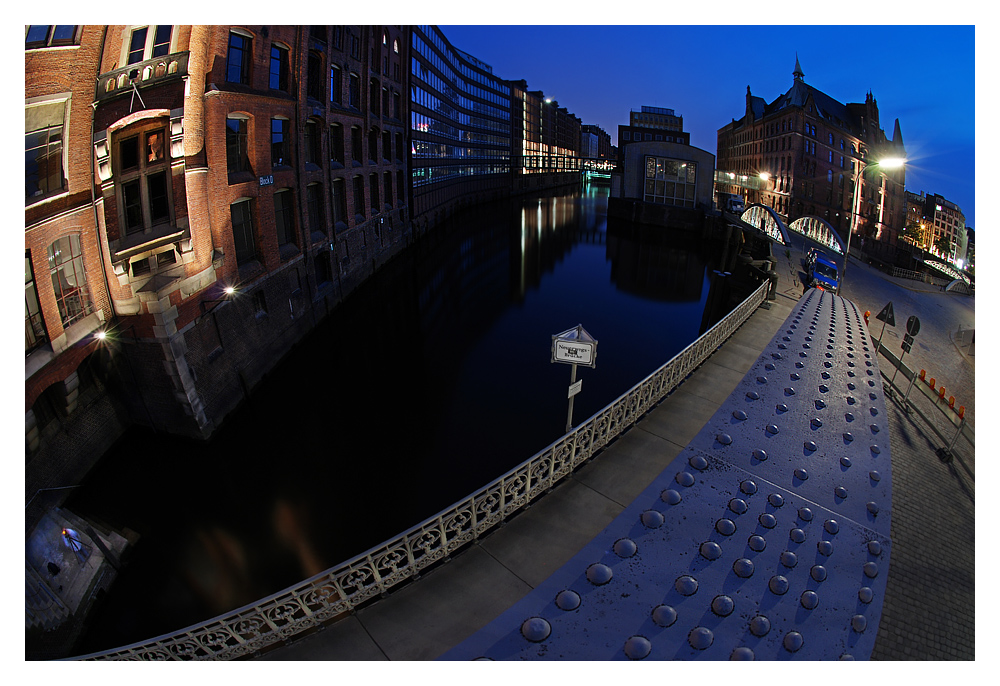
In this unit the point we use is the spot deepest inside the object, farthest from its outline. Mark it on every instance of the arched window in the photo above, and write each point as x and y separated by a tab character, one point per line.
69	281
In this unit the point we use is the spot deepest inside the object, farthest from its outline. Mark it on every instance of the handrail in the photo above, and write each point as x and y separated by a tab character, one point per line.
373	573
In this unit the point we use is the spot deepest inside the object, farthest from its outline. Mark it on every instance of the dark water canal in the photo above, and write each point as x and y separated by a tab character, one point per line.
429	381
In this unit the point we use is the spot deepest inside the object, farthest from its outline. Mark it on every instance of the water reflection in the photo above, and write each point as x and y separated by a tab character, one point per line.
431	380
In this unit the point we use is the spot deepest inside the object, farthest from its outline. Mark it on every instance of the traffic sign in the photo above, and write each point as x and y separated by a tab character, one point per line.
886	315
912	325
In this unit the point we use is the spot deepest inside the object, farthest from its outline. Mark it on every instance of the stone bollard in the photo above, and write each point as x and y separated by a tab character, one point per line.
772	293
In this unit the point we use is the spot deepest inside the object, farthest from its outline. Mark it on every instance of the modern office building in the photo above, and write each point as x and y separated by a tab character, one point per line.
801	154
460	128
545	138
596	136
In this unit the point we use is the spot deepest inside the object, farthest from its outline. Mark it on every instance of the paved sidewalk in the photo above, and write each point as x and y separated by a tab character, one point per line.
929	608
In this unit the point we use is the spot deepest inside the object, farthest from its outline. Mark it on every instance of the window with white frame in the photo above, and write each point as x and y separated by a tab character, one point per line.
69	280
43	149
147	42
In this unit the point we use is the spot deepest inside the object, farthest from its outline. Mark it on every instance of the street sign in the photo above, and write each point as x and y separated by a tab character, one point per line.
575	346
907	343
886	315
575	388
573	352
912	325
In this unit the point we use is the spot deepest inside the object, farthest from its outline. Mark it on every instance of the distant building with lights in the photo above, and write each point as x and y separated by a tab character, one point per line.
937	225
652	124
546	140
461	129
598	142
801	155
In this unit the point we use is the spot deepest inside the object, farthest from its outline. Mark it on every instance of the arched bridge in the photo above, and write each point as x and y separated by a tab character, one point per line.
820	231
769	222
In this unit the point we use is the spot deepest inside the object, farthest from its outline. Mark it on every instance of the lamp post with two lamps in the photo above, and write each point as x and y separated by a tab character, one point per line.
882	165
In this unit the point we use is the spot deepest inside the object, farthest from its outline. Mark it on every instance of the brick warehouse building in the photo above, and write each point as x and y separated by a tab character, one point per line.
166	163
811	149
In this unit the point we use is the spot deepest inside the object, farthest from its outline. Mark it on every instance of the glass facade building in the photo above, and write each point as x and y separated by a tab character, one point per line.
460	124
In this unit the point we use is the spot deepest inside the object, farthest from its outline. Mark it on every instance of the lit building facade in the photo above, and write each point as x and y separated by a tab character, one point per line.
940	225
266	159
460	128
546	136
802	154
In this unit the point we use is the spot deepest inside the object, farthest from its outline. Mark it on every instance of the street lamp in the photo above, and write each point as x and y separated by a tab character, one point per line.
886	163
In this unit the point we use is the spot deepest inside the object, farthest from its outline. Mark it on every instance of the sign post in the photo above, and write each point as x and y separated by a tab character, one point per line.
574	347
887	317
912	327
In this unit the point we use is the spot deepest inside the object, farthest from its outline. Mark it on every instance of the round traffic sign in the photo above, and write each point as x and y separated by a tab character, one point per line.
912	325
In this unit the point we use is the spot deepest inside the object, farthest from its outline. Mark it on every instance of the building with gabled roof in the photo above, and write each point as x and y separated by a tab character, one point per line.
801	155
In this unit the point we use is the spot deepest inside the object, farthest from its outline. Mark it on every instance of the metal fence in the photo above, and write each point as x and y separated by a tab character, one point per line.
372	574
915	394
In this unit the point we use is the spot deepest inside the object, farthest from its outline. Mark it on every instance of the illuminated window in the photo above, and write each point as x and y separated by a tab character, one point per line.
670	181
142	182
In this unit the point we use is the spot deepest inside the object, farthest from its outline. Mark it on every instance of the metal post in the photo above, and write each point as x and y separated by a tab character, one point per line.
906	406
569	414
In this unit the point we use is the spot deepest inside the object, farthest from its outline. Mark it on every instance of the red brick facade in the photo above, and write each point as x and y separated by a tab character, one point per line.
148	190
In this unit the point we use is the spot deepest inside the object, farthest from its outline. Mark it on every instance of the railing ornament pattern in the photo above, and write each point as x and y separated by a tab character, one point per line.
374	573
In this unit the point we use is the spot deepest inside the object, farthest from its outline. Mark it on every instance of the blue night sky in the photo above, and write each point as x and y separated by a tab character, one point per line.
702	73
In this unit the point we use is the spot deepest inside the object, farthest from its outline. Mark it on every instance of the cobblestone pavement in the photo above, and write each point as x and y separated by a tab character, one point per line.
929	610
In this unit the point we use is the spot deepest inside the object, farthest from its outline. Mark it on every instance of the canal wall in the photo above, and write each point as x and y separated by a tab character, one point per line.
186	381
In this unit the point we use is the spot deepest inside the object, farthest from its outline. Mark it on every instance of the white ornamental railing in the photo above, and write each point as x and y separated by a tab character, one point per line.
372	574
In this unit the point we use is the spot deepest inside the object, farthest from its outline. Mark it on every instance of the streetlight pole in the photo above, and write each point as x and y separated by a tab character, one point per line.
885	163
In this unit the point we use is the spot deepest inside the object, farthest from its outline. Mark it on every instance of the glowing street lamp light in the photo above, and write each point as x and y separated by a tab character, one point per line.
884	164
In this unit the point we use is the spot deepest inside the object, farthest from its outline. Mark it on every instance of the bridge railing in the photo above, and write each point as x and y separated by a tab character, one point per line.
373	573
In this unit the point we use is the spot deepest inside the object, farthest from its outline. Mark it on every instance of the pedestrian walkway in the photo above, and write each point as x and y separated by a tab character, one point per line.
928	612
